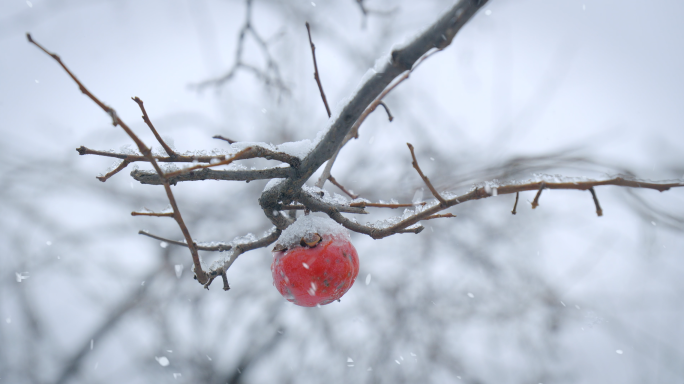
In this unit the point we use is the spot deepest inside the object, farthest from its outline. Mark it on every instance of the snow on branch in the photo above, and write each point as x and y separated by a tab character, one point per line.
286	193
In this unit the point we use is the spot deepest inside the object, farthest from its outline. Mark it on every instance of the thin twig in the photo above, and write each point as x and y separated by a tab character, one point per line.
116	170
341	187
363	204
147	177
416	230
599	211
365	11
341	208
227	161
224	139
239	249
156	214
316	76
535	202
354	131
425	178
517	195
256	151
147	153
476	194
439	216
270	75
147	121
216	248
389	114
225	281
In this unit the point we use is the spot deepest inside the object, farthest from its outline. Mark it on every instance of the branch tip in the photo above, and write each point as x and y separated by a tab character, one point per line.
599	211
316	76
341	187
535	202
517	195
224	139
225	281
389	114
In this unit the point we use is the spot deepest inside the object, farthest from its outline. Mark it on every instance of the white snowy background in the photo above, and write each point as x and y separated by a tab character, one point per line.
555	295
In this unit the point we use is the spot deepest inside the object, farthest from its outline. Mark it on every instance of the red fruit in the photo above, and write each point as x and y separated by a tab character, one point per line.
318	270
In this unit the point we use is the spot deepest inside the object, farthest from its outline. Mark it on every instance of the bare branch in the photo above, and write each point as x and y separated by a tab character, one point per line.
224	139
341	208
239	249
439	216
270	76
340	186
152	178
363	204
156	214
255	151
535	202
354	131
216	248
425	178
517	195
316	76
147	121
366	11
116	170
476	194
415	230
402	61
147	153
389	114
226	287
599	211
227	161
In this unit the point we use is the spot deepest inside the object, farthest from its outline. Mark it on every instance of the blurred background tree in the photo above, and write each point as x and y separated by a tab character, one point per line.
550	295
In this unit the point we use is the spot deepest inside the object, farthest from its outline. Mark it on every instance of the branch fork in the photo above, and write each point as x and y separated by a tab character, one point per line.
289	194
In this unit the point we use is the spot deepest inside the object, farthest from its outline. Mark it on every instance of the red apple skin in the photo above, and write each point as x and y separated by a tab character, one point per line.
318	275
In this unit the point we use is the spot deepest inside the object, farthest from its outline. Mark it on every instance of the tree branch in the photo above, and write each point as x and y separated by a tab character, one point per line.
341	208
255	151
341	187
515	205
116	170
425	178
147	121
270	76
216	248
147	153
238	249
431	211
438	35
535	202
354	131
152	178
316	76
363	204
599	211
155	214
